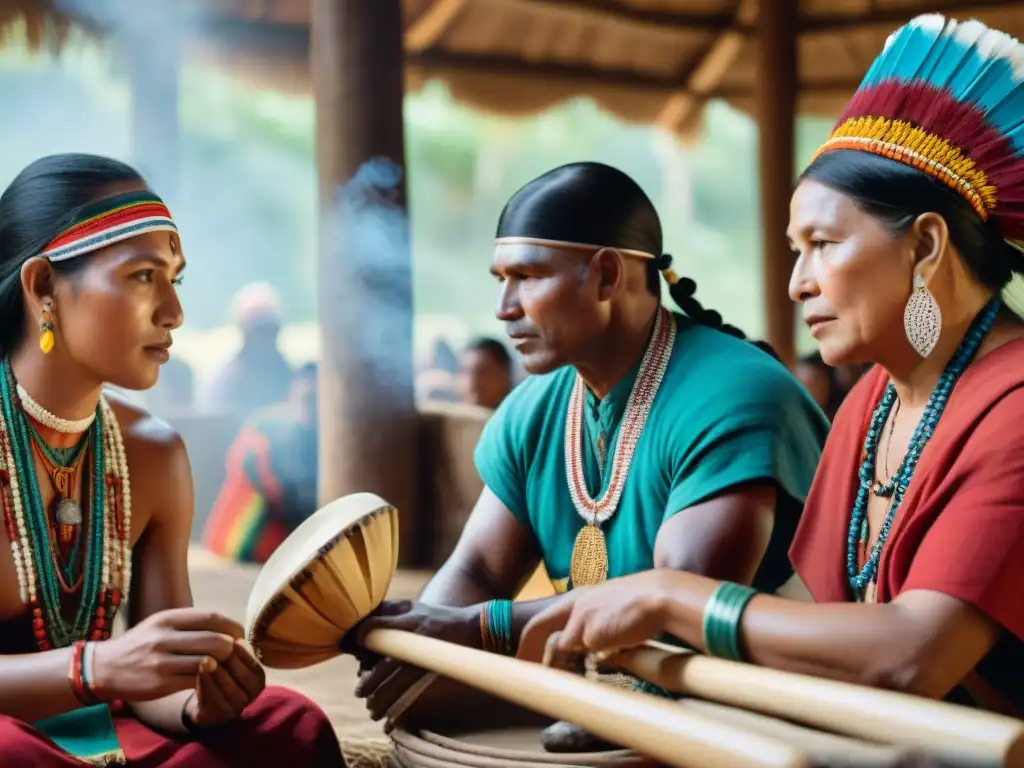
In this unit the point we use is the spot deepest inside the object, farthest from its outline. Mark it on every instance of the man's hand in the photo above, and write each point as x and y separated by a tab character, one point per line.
619	613
383	680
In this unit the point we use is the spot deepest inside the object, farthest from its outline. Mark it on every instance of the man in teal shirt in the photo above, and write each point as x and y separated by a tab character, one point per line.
642	439
728	420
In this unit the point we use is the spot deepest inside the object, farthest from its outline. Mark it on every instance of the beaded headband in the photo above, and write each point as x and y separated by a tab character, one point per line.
515	243
110	221
946	97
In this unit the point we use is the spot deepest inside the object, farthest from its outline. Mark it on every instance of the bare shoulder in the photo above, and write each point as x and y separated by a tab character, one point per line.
141	428
155	450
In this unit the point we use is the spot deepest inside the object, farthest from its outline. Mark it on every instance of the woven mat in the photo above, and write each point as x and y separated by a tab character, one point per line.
367	753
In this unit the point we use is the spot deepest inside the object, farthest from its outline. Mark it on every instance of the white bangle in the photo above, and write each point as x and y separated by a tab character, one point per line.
89	667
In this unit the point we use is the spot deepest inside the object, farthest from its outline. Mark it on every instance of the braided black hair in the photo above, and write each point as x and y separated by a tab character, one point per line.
598	204
682	292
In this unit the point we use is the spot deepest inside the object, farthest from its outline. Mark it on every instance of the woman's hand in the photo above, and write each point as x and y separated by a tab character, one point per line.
162	655
223	690
619	613
383	680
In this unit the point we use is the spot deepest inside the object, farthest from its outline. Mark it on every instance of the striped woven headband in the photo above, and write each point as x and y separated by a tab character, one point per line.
110	221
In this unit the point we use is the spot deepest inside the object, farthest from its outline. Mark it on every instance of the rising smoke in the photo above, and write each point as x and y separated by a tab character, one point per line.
366	293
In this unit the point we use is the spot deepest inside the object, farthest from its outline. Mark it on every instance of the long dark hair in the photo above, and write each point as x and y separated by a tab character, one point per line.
897	194
597	204
37	206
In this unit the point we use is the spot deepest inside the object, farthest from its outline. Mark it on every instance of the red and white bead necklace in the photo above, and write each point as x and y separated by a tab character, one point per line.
115	574
589	558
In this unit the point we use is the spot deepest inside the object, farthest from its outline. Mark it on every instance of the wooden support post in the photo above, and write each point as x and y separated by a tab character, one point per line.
777	92
368	421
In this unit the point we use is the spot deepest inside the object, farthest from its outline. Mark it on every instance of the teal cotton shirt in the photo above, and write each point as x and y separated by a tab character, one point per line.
726	413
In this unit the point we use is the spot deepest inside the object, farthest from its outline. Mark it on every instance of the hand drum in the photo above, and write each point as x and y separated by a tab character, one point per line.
328	575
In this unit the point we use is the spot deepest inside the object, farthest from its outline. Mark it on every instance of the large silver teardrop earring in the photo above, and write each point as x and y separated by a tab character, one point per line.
922	319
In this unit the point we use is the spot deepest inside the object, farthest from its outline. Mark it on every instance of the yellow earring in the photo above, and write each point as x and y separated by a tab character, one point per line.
46	326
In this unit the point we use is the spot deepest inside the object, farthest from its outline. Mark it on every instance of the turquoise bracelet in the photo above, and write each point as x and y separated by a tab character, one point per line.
642	686
722	615
498	615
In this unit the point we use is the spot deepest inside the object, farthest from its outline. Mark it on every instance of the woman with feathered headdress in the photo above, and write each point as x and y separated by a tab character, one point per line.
906	228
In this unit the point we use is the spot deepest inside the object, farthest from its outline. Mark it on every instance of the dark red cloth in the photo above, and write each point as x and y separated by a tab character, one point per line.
960	529
280	728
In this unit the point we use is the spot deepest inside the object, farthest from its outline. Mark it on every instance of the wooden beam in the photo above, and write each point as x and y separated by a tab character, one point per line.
276	41
611	10
836	85
368	422
837	22
513	66
426	30
292	43
275	9
705	74
777	95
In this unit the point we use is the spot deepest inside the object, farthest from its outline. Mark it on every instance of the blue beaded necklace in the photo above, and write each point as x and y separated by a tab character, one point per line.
897	487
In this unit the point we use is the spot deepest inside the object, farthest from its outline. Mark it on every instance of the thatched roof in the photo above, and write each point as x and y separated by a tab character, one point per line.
652	61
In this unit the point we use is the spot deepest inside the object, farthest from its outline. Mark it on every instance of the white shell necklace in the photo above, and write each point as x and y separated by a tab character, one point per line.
638	408
49	420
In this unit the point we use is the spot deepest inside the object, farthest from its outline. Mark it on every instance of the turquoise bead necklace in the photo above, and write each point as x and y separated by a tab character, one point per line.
67	556
59	457
897	487
60	631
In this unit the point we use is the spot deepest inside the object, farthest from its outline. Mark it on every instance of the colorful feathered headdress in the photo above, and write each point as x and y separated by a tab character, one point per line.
947	98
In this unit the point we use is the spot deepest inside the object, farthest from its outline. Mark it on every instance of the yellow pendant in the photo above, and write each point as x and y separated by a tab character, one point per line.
589	564
46	341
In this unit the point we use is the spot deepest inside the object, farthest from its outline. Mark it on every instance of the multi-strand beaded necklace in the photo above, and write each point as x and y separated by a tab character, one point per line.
36	534
589	561
861	578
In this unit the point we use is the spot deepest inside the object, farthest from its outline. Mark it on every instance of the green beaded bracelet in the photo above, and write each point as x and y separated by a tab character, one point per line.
721	624
499	625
